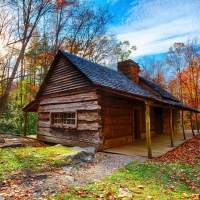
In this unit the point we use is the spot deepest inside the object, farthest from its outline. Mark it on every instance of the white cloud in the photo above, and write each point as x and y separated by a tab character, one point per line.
153	26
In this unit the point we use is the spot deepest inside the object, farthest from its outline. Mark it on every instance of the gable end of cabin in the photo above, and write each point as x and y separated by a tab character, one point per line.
69	110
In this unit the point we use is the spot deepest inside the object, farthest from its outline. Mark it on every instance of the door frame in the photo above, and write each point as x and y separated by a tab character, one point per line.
136	111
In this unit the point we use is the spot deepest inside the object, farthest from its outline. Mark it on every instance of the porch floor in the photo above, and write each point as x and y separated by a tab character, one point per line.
161	144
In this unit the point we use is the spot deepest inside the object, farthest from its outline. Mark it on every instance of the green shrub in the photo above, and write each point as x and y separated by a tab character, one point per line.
12	122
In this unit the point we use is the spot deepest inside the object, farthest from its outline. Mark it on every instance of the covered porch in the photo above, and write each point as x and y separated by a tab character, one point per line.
160	144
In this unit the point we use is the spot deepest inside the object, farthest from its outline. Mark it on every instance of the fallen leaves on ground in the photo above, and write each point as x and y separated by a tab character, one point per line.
188	153
27	186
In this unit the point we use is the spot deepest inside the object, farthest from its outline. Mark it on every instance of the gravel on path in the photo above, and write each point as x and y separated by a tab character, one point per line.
49	183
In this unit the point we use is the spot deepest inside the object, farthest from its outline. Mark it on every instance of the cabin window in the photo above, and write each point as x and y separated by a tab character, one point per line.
69	118
64	119
57	118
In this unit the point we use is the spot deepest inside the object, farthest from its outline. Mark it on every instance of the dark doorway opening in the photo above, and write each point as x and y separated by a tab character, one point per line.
137	124
158	120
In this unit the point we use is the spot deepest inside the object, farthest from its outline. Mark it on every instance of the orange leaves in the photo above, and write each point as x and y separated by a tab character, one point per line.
183	162
184	62
186	84
62	3
83	193
186	153
65	3
34	87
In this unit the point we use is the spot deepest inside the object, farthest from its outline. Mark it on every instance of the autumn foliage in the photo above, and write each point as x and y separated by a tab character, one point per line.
189	86
188	153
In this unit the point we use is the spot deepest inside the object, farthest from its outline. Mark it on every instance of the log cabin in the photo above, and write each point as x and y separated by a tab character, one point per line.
81	103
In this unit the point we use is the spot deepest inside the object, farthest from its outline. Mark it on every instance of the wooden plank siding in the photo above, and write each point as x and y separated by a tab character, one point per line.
65	77
144	85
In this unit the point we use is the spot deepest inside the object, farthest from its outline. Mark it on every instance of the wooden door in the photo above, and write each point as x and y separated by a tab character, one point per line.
136	123
158	120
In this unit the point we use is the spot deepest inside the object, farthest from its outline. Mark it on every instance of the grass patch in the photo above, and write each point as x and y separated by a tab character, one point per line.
30	159
146	180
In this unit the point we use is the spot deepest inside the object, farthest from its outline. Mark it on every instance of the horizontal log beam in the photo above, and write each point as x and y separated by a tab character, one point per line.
117	141
68	107
86	96
87	136
63	141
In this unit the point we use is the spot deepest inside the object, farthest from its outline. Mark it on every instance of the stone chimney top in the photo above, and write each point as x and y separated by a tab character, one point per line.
129	68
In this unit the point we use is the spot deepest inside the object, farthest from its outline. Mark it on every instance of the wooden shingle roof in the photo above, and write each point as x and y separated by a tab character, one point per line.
158	89
107	77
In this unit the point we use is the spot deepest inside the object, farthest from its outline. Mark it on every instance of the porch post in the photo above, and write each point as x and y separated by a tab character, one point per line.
191	123
148	135
196	115
183	126
25	122
171	127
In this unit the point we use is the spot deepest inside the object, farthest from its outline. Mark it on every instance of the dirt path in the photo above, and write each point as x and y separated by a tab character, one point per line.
61	179
10	140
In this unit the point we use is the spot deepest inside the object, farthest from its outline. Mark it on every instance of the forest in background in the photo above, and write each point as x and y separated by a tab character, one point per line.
31	32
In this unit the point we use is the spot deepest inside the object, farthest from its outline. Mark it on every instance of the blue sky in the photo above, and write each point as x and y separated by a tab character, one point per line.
154	25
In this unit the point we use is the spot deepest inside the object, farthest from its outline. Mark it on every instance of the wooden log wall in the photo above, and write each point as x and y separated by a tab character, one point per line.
117	119
143	122
152	121
166	122
88	129
176	119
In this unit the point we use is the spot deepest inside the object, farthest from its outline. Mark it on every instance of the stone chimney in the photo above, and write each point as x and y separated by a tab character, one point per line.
129	68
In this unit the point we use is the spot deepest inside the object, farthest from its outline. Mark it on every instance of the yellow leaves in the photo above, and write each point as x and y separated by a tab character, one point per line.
141	187
34	87
186	84
124	192
184	195
150	198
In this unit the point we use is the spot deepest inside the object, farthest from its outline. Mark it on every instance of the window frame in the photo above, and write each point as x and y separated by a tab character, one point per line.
62	124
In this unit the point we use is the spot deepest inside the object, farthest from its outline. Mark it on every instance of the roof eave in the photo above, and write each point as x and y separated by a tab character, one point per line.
31	107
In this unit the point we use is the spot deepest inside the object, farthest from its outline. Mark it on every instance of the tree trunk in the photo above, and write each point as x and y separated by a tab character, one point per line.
4	98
